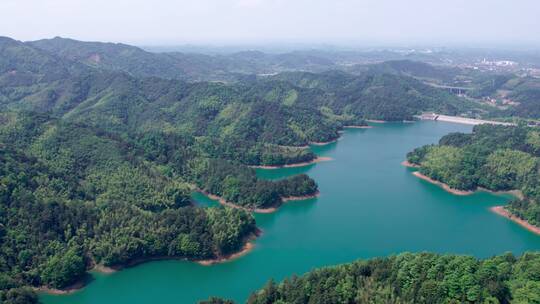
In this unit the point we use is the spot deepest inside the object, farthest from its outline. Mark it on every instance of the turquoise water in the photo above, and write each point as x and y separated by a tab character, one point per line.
369	206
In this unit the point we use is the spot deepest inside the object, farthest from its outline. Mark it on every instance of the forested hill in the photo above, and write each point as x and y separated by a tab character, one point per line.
378	95
99	153
73	195
241	66
492	157
412	278
176	65
416	69
129	59
298	108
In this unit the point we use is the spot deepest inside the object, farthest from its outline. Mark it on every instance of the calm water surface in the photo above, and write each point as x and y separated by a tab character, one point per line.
369	206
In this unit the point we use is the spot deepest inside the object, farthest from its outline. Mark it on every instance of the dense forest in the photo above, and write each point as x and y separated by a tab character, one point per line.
497	158
412	278
94	171
101	145
375	95
74	197
70	190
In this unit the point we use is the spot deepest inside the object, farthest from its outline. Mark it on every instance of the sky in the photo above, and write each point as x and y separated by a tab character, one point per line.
233	22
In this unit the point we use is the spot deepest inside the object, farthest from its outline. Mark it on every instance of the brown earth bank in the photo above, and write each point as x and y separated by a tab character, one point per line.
315	160
246	248
299	198
223	202
442	185
500	210
358	127
516	193
70	289
103	269
303	164
323	143
376	120
408	164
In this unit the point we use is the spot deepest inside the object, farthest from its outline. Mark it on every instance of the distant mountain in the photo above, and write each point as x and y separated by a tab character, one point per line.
175	65
104	84
115	56
378	95
25	65
415	69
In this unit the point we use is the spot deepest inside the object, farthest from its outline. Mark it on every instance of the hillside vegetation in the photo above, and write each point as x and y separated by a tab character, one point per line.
497	158
102	144
410	278
413	278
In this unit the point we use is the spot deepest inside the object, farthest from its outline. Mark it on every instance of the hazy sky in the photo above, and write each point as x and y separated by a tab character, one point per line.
396	22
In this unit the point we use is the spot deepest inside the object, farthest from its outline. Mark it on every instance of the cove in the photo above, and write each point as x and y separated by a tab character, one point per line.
369	205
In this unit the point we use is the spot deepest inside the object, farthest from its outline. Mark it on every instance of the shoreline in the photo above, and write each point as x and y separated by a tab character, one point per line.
323	143
245	249
500	210
376	121
407	164
314	143
300	198
79	285
103	269
223	202
442	185
68	290
302	164
358	127
516	193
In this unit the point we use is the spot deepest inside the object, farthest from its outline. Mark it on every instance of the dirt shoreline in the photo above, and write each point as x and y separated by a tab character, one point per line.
316	160
500	210
323	143
442	185
68	290
516	193
358	127
376	121
303	164
406	163
300	198
246	248
103	269
223	202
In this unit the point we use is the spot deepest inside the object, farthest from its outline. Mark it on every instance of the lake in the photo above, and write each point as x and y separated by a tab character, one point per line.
370	205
